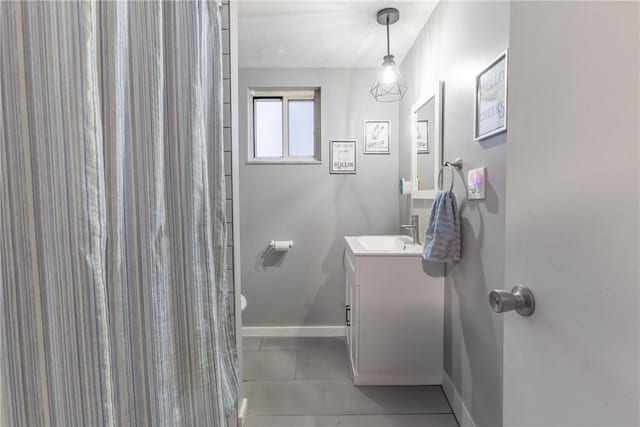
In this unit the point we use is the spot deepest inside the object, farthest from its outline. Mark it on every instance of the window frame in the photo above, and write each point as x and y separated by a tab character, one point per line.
285	95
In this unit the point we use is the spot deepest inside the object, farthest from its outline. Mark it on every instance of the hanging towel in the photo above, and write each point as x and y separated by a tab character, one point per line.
442	237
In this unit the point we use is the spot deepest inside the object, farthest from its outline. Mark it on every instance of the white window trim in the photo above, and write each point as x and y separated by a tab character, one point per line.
310	94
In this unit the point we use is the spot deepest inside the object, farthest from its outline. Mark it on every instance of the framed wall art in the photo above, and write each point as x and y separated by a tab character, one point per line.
490	116
342	156
376	137
422	136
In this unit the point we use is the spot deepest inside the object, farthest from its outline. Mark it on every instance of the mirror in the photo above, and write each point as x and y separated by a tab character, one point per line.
426	144
425	119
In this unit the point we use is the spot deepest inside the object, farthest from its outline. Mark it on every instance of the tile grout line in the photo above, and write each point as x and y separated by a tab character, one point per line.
358	414
301	380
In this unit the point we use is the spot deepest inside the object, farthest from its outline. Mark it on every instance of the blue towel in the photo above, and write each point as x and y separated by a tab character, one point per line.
442	237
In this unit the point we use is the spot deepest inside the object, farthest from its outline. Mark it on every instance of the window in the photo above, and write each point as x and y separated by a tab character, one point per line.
284	126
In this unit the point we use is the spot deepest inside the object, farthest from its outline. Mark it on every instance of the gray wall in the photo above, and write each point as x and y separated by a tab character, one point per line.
305	204
460	39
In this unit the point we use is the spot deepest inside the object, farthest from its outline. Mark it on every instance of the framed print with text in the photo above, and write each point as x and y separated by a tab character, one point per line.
422	136
342	156
491	99
376	137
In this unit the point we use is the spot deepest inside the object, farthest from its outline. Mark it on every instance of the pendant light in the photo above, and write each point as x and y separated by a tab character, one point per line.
389	85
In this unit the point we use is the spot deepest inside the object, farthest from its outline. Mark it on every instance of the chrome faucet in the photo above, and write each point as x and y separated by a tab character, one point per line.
414	229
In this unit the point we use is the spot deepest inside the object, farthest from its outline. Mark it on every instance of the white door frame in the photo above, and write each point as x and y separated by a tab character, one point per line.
235	172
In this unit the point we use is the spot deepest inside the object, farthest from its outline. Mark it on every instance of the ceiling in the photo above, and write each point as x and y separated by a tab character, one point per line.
324	34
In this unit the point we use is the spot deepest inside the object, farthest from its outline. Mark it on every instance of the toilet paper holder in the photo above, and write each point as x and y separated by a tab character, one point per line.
280	245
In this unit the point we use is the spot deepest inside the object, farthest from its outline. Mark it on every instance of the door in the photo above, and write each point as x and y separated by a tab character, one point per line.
351	312
349	274
354	328
572	215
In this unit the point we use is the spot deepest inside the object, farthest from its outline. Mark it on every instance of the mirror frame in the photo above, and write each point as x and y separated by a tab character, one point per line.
437	148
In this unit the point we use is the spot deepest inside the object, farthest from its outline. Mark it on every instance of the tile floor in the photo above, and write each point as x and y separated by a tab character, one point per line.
304	382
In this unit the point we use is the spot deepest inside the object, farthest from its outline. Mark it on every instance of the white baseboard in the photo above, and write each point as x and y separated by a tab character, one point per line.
293	331
397	379
242	412
459	409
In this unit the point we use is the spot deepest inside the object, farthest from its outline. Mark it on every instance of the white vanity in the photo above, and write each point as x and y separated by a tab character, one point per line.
394	300
394	312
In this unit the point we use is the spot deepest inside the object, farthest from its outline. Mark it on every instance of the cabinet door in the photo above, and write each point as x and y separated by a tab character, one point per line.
353	329
350	309
347	323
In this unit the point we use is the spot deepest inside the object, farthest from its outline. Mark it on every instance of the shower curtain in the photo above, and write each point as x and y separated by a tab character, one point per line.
114	305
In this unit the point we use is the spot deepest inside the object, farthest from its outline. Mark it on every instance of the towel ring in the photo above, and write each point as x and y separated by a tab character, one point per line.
456	164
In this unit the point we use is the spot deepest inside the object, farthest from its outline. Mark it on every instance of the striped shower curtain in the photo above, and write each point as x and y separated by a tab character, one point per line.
114	305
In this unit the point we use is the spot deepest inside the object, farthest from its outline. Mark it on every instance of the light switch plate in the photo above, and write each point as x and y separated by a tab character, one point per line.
476	183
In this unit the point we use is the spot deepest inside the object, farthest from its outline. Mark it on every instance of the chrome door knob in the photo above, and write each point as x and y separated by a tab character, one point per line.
519	299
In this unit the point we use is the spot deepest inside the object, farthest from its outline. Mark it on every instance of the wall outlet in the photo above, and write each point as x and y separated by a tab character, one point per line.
476	183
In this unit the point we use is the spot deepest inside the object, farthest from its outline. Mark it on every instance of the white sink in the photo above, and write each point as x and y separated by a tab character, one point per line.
383	245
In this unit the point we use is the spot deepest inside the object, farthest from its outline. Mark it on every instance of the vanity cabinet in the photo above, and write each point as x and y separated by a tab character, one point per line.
394	317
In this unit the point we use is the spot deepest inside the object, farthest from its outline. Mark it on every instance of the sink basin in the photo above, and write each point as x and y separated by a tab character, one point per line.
383	245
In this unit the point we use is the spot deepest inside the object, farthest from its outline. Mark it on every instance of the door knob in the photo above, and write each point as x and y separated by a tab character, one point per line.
519	299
